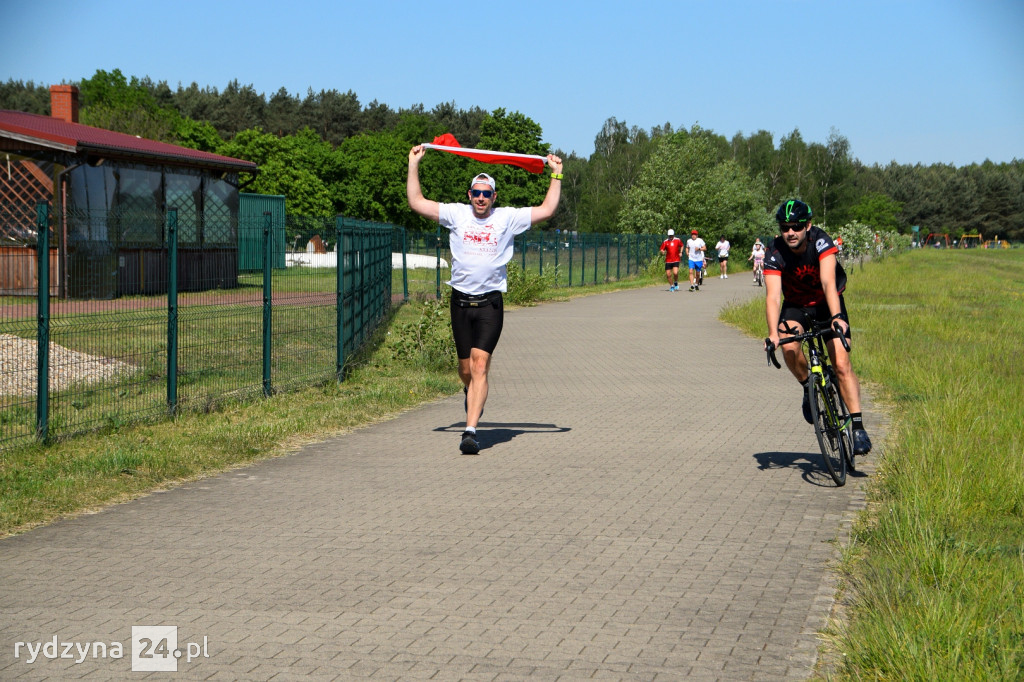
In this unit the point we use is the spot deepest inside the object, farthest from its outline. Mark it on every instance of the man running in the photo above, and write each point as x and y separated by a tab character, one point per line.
672	248
804	283
480	237
695	248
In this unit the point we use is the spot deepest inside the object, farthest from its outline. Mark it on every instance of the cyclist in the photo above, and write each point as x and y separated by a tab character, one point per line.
672	248
757	255
803	282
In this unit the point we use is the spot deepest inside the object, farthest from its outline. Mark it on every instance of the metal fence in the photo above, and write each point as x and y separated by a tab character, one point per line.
107	330
571	260
97	334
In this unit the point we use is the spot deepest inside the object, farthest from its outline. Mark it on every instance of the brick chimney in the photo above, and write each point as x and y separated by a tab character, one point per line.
64	102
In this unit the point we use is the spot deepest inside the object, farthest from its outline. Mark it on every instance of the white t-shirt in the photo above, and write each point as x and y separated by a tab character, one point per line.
758	252
481	248
723	248
693	248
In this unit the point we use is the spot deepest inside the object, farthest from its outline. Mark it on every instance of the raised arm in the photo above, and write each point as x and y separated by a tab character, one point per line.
539	214
430	210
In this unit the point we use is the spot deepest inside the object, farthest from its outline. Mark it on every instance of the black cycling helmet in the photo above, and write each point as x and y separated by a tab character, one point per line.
793	211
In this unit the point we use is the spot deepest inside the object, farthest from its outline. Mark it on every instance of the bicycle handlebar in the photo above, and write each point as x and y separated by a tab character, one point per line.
770	348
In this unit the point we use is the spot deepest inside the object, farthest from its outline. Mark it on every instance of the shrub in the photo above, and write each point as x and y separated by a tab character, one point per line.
524	287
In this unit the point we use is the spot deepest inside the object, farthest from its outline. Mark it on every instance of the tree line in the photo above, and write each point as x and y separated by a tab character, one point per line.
329	154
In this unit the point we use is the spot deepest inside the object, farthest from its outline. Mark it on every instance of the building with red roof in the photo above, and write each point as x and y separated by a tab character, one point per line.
109	194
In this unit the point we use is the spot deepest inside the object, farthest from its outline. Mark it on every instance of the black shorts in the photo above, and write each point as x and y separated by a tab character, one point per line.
722	259
670	266
476	321
818	313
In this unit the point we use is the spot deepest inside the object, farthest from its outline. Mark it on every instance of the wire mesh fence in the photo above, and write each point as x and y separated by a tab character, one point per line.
570	259
141	315
139	331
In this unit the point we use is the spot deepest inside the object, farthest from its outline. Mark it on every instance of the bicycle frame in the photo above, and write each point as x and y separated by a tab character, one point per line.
833	427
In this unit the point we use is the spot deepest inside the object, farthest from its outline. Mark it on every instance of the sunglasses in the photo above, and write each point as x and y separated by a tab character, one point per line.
487	193
784	228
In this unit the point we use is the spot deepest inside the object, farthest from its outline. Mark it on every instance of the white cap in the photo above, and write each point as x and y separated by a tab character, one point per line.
671	232
485	179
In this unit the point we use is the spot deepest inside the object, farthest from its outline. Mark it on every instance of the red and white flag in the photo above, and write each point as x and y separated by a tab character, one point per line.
448	143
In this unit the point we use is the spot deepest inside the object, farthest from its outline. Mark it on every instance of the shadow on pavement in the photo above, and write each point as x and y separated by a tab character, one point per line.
496	433
810	465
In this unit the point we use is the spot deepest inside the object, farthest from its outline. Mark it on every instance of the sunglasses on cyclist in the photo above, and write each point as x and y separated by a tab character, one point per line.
487	193
798	227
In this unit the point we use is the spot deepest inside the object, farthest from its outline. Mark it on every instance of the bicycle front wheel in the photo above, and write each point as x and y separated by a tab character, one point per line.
845	423
833	437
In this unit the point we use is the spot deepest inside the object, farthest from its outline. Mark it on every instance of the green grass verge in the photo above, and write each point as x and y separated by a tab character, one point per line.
935	568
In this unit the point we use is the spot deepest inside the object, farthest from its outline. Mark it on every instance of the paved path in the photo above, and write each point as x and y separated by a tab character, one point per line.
648	505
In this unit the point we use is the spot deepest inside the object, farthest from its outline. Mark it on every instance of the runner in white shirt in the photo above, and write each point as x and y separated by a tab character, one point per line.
723	257
481	240
695	248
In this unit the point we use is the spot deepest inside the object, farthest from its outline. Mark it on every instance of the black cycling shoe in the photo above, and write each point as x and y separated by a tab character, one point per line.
861	442
469	444
806	407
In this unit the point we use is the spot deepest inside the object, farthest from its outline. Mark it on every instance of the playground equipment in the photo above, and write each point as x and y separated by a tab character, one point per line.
971	241
996	243
937	240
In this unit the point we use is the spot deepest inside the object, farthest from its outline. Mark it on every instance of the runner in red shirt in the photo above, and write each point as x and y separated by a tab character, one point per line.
673	249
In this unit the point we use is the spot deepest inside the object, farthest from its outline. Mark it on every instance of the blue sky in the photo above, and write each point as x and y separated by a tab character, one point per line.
911	81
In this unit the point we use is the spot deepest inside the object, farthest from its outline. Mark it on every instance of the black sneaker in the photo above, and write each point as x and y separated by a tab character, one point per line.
469	444
861	442
806	407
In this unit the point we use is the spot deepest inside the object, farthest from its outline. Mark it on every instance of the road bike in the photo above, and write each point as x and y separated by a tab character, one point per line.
832	422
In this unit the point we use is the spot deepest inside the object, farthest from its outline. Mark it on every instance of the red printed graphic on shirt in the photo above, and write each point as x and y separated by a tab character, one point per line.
480	240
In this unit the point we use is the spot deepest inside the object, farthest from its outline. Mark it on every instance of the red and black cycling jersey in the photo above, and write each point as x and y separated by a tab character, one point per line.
801	272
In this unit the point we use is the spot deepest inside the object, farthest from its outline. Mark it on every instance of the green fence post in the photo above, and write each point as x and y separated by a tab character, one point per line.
339	305
43	322
540	255
558	247
607	257
405	271
172	311
268	310
571	248
361	250
583	260
437	269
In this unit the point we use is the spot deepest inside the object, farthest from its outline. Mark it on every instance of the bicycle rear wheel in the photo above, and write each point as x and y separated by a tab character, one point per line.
833	439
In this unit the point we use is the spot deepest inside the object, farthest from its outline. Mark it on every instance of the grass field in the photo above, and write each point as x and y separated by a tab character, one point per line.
935	569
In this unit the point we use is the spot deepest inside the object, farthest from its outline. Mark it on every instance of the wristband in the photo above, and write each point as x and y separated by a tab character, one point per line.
557	176
837	316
